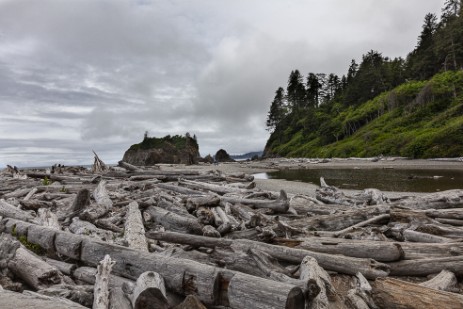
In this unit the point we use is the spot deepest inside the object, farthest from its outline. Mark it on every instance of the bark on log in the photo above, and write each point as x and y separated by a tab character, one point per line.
101	289
149	292
439	200
190	302
393	293
134	232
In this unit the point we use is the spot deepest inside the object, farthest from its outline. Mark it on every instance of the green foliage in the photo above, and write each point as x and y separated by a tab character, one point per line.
418	119
46	181
32	247
177	141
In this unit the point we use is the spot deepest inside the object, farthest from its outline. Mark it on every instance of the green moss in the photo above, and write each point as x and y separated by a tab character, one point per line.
32	247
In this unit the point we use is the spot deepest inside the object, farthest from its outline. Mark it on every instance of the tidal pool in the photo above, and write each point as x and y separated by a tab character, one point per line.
401	180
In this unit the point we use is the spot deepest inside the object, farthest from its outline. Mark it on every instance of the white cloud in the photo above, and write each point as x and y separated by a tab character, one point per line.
82	75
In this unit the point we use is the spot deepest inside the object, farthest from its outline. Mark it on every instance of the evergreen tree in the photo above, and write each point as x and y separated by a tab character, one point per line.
449	37
295	91
277	110
313	90
422	62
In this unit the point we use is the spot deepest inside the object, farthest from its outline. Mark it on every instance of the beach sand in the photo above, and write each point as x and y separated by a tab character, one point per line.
294	187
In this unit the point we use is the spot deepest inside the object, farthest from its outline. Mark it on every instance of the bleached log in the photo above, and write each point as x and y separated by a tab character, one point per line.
444	281
81	200
80	294
174	221
9	299
101	288
347	265
63	267
98	165
181	276
210	187
48	218
360	296
134	232
9	211
129	167
380	251
427	266
280	205
361	224
439	200
320	288
343	220
34	271
104	203
393	293
117	298
81	227
149	292
414	236
241	284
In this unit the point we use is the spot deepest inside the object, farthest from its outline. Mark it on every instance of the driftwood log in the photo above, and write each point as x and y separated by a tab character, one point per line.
182	238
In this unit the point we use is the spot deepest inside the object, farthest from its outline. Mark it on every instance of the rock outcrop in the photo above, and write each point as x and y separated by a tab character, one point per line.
223	156
169	149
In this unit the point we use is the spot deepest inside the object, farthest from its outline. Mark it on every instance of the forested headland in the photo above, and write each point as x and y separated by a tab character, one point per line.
409	107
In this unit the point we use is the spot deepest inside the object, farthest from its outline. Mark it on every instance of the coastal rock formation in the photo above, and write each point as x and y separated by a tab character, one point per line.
169	149
223	156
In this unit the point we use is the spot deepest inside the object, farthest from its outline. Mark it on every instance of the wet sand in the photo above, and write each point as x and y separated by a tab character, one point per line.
294	187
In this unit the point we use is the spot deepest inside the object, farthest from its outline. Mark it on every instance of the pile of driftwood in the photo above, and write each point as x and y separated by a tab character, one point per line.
132	237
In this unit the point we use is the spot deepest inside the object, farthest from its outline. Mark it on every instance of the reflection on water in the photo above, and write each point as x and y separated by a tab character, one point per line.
401	180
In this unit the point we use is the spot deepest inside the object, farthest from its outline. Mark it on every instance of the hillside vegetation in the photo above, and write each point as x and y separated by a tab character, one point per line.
410	107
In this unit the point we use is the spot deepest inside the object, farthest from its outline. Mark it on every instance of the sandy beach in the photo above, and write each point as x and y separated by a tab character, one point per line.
295	187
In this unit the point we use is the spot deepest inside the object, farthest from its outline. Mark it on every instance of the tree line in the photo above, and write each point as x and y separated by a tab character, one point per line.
309	104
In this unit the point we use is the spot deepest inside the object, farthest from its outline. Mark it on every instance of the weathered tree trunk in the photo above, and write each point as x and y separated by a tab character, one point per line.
134	232
49	219
378	250
104	203
101	289
9	211
9	299
393	293
425	267
347	265
319	282
280	205
129	167
149	292
444	281
174	221
271	294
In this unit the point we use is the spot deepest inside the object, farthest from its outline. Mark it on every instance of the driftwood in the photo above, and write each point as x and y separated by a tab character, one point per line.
223	240
101	290
134	231
393	293
149	291
9	299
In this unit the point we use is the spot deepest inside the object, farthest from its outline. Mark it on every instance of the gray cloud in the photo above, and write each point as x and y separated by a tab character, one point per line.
82	75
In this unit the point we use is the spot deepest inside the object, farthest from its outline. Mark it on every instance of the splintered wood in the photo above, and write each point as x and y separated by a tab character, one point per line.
141	237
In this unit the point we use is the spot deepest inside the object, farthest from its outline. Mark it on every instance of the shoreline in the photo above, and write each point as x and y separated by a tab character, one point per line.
296	187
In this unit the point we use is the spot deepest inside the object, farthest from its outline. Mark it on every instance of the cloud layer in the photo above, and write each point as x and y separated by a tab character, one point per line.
83	75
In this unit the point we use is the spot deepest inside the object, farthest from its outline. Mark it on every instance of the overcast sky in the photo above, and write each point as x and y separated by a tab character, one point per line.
77	75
